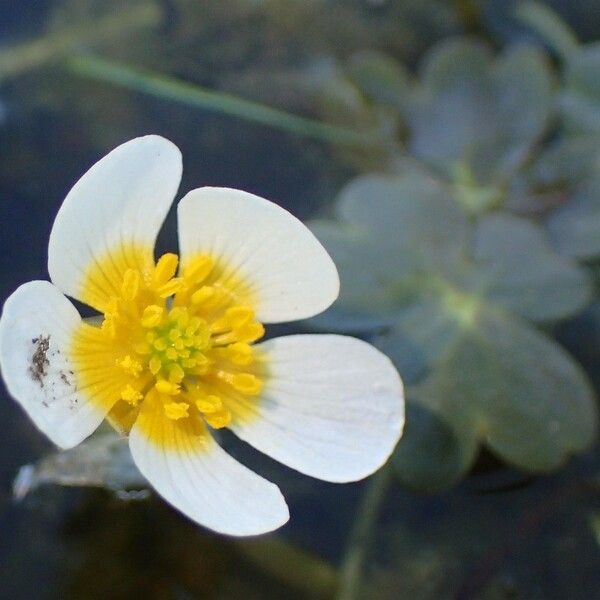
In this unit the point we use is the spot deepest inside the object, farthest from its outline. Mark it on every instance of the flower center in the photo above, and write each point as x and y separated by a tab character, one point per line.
183	341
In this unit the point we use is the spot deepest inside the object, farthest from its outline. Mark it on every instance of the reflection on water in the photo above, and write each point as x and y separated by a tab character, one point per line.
499	534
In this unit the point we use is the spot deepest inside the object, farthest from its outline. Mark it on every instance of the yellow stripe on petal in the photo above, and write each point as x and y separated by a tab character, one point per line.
102	373
177	353
112	275
164	424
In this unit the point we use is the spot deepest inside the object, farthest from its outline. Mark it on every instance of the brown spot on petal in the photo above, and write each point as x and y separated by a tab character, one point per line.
39	360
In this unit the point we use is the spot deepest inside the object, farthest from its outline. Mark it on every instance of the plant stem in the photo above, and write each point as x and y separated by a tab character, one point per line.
193	95
20	58
291	565
351	572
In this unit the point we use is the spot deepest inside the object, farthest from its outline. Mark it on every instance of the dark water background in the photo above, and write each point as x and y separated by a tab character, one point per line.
500	534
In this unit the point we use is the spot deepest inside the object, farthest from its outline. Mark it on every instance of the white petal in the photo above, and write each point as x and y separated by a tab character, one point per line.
35	312
120	202
332	407
290	272
205	483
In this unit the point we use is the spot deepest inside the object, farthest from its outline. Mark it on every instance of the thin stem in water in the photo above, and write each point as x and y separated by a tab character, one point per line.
193	95
351	572
54	45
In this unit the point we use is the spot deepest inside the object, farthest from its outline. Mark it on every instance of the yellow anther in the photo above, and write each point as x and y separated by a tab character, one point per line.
171	287
152	316
250	332
177	313
219	419
150	337
247	383
176	374
130	365
143	348
188	363
193	326
155	365
238	353
174	334
166	387
242	382
202	364
198	269
203	294
178	344
172	354
176	410
131	395
165	269
234	318
209	404
131	284
202	339
239	315
160	344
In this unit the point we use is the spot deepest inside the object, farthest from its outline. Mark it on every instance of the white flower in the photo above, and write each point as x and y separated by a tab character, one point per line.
173	355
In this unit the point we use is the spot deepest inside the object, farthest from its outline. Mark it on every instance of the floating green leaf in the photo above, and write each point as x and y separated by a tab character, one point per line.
450	291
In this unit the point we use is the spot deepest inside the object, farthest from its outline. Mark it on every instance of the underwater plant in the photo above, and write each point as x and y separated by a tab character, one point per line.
173	354
449	298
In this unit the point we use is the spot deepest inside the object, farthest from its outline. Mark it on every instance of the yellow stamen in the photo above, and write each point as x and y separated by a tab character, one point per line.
218	419
165	269
247	383
209	404
176	410
130	366
198	269
238	353
176	374
152	316
170	288
203	294
167	387
131	395
155	365
168	343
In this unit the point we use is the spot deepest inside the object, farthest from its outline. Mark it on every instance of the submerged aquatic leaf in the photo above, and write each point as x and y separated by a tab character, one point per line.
103	460
580	100
523	274
568	161
575	226
525	398
568	172
381	79
432	455
474	109
403	240
447	290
